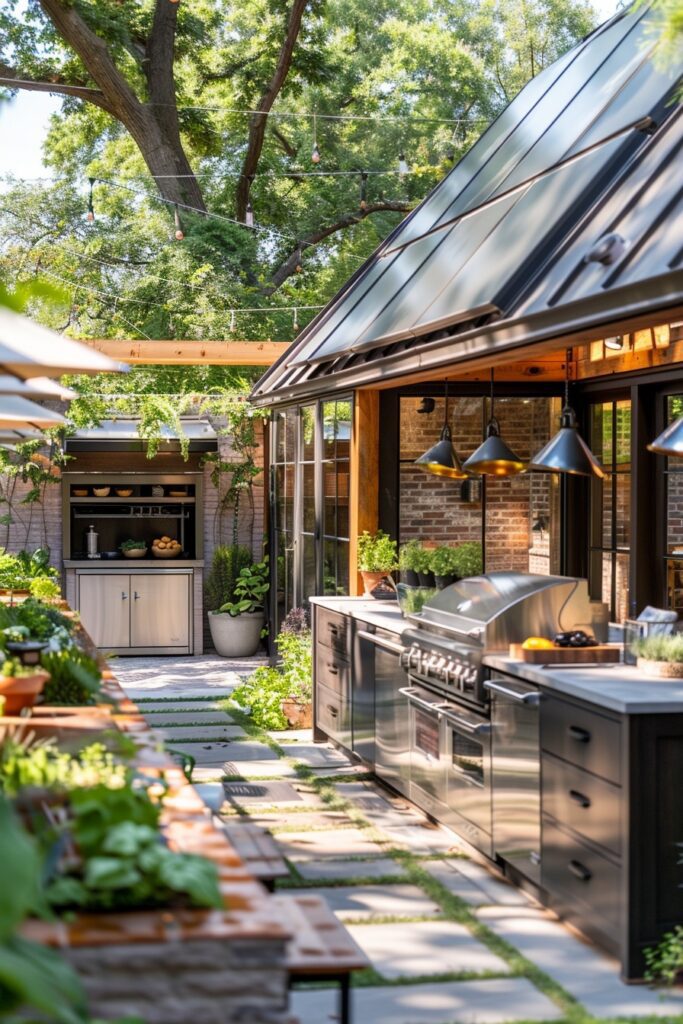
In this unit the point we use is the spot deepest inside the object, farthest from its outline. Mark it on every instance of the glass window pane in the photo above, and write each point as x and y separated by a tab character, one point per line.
285	435
308	497
622	501
622	427
308	433
308	581
621	587
342	567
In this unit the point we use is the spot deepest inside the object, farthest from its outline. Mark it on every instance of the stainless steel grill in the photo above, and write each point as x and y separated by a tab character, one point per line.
481	615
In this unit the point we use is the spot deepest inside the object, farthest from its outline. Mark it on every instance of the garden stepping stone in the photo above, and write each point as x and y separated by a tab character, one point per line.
423	839
277	821
491	1001
271	769
193	708
339	842
287	736
474	884
369	902
199	733
251	751
331	869
376	808
186	718
318	755
417	948
587	973
247	794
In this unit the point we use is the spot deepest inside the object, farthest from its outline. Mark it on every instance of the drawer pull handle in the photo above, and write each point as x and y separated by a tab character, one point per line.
579	798
124	595
332	628
332	710
579	734
333	670
578	870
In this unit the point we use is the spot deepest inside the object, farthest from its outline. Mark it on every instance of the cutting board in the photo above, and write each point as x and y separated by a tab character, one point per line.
568	655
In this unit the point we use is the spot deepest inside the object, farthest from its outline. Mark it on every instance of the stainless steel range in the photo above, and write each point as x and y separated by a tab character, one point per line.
452	744
482	615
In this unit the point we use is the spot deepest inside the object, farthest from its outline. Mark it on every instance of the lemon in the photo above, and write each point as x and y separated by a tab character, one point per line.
537	643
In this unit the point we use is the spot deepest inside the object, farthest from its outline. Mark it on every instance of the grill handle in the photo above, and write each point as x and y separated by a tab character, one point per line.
409	692
478	729
381	642
532	697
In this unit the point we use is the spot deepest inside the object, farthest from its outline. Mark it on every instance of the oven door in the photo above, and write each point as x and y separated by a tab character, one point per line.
427	762
467	748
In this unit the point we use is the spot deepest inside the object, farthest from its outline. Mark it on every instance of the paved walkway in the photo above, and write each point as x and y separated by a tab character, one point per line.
449	942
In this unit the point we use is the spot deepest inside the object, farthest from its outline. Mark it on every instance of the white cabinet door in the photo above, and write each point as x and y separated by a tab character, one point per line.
160	610
104	604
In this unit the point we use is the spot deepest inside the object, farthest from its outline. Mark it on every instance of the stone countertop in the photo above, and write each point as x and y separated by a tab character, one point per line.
382	614
132	564
621	688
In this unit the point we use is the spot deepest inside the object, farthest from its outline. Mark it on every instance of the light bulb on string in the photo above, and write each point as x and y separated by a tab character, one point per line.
295	321
249	215
363	191
403	167
299	259
315	155
90	215
179	233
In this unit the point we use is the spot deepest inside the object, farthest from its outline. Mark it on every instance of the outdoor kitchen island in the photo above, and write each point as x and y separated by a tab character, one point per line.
562	780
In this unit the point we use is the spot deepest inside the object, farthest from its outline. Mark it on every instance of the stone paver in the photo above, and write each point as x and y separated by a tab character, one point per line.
474	884
377	808
269	793
205	733
341	842
212	794
287	736
257	769
173	707
584	971
380	867
277	821
317	755
186	718
369	902
423	839
250	750
417	948
182	677
495	1001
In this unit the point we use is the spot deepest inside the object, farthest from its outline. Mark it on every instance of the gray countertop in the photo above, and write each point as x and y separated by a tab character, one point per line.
382	614
621	688
132	564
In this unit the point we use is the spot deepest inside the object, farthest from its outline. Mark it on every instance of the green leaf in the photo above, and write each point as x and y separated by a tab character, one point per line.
127	839
111	873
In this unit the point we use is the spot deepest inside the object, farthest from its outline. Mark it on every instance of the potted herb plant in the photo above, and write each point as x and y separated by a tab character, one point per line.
443	563
407	557
468	560
377	558
661	656
236	625
422	567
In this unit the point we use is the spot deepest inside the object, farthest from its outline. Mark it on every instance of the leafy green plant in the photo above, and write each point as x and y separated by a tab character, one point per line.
29	762
412	599
422	559
665	960
227	563
133	545
265	689
408	555
75	677
262	694
668	647
121	861
468	559
19	570
45	589
377	552
443	561
41	621
250	590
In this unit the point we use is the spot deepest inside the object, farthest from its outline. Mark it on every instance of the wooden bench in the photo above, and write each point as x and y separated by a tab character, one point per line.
258	850
321	948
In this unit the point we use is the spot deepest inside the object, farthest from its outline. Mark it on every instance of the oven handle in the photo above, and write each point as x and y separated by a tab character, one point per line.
441	710
381	642
532	697
409	692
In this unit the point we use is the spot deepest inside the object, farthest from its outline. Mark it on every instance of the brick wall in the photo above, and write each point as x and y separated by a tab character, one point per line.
36	525
432	510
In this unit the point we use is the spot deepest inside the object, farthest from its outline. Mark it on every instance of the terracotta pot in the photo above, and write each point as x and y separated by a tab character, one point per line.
21	692
661	669
371	579
299	715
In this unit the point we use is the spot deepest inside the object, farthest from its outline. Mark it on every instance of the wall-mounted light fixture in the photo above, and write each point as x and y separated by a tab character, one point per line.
426	406
615	344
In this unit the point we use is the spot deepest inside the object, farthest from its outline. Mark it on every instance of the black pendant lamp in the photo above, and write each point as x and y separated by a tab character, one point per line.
670	441
567	452
493	457
442	458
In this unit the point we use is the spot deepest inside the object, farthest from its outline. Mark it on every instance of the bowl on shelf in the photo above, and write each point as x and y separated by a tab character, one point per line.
177	492
166	547
101	492
124	492
157	491
134	552
166	552
79	492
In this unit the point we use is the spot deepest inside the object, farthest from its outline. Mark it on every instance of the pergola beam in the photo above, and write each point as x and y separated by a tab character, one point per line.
190	353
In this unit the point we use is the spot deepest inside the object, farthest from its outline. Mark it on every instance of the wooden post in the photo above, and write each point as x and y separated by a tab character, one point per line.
364	483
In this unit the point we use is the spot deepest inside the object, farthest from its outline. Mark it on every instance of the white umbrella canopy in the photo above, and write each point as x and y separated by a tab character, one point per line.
29	350
17	413
36	387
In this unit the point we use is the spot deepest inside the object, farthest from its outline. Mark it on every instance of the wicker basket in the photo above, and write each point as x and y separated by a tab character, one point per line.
135	553
166	553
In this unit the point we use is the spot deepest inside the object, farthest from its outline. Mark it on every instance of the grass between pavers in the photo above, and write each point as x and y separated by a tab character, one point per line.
178	700
186	725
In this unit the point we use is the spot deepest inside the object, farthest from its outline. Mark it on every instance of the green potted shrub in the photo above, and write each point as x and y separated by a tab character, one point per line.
407	558
443	563
422	567
377	558
661	656
236	626
468	560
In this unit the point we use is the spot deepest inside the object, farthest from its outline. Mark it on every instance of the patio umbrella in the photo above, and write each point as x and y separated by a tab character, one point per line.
37	387
29	350
17	413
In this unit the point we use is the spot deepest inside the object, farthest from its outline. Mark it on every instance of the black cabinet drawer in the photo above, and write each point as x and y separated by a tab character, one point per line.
583	886
333	672
333	715
333	630
588	804
577	734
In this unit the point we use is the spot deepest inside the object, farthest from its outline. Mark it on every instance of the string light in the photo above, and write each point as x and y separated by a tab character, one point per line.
363	191
315	155
249	215
295	321
90	215
403	167
179	233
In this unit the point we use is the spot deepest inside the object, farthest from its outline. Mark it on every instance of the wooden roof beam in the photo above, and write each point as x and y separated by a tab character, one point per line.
190	353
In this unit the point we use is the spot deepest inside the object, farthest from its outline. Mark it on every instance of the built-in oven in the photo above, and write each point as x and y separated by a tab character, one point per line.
450	764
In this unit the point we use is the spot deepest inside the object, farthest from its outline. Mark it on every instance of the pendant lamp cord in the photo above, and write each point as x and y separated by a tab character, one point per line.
567	361
445	395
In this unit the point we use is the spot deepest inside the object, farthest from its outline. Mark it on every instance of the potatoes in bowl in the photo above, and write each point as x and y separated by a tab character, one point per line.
166	547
